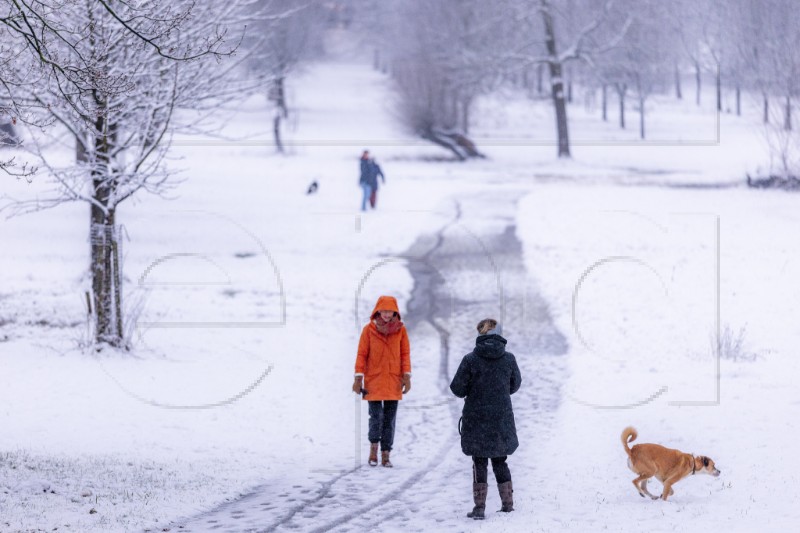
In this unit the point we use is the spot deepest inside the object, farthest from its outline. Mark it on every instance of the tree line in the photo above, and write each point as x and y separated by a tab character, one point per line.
115	81
443	54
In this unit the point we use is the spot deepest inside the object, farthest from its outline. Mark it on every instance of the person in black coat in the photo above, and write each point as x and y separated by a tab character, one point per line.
487	377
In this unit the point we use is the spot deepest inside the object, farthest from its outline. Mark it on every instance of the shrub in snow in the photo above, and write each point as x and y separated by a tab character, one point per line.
733	346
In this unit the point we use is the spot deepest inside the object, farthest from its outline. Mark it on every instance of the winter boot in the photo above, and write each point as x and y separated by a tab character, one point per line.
506	496
373	454
479	492
385	459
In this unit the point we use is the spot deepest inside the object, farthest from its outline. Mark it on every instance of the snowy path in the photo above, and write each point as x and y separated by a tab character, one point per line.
470	268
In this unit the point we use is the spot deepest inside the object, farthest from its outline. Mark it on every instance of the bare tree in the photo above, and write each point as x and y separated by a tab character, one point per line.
586	43
775	70
753	52
374	25
783	54
686	19
642	61
288	32
38	40
555	63
444	56
784	151
121	109
714	42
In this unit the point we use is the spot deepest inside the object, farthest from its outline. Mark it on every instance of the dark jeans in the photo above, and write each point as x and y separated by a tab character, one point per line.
382	415
480	470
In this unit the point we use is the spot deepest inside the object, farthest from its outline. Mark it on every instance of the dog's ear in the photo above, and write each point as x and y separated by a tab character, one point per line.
705	461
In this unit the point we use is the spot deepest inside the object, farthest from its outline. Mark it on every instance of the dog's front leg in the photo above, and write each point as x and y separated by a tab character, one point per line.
667	492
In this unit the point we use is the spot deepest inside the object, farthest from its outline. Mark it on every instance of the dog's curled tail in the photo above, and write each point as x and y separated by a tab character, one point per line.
628	435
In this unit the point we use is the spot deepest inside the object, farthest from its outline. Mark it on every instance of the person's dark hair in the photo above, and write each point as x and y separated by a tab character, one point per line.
487	324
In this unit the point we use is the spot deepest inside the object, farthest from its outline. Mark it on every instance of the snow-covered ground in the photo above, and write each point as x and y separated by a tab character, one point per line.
246	298
640	281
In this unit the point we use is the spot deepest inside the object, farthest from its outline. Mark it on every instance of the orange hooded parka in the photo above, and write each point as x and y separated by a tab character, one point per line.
383	359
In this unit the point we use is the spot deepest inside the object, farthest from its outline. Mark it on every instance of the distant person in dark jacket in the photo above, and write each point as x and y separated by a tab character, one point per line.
487	377
365	179
374	172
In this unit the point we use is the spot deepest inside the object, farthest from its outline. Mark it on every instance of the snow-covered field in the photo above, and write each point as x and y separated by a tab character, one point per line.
246	298
641	280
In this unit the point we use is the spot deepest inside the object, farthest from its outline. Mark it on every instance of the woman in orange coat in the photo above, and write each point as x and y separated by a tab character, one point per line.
383	374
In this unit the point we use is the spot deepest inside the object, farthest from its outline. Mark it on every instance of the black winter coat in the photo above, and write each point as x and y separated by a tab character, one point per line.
487	377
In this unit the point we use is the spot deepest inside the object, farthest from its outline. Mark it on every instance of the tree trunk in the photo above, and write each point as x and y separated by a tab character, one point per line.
569	92
719	89
277	94
80	151
280	96
116	273
738	101
678	90
698	79
766	108
454	113
466	103
461	146
621	90
556	81
99	267
787	121
641	117
605	102
103	246
105	274
276	131
539	79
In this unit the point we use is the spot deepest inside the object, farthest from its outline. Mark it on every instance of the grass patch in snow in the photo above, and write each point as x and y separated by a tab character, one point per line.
733	345
92	493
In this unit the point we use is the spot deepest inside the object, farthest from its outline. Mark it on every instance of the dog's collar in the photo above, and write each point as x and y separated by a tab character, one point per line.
693	465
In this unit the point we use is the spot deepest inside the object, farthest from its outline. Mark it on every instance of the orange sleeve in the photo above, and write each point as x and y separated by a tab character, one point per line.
405	353
363	350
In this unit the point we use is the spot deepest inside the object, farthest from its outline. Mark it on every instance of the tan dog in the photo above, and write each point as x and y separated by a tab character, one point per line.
667	465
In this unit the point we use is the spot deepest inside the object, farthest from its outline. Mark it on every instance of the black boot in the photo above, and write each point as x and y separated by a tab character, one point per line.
506	496
479	492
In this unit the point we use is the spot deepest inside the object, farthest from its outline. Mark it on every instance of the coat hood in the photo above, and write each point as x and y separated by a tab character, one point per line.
386	303
490	346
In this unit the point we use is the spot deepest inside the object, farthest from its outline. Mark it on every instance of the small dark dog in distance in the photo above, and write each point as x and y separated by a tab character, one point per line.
313	187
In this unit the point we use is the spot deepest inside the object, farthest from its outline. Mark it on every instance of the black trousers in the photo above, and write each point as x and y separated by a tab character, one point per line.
382	415
480	470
